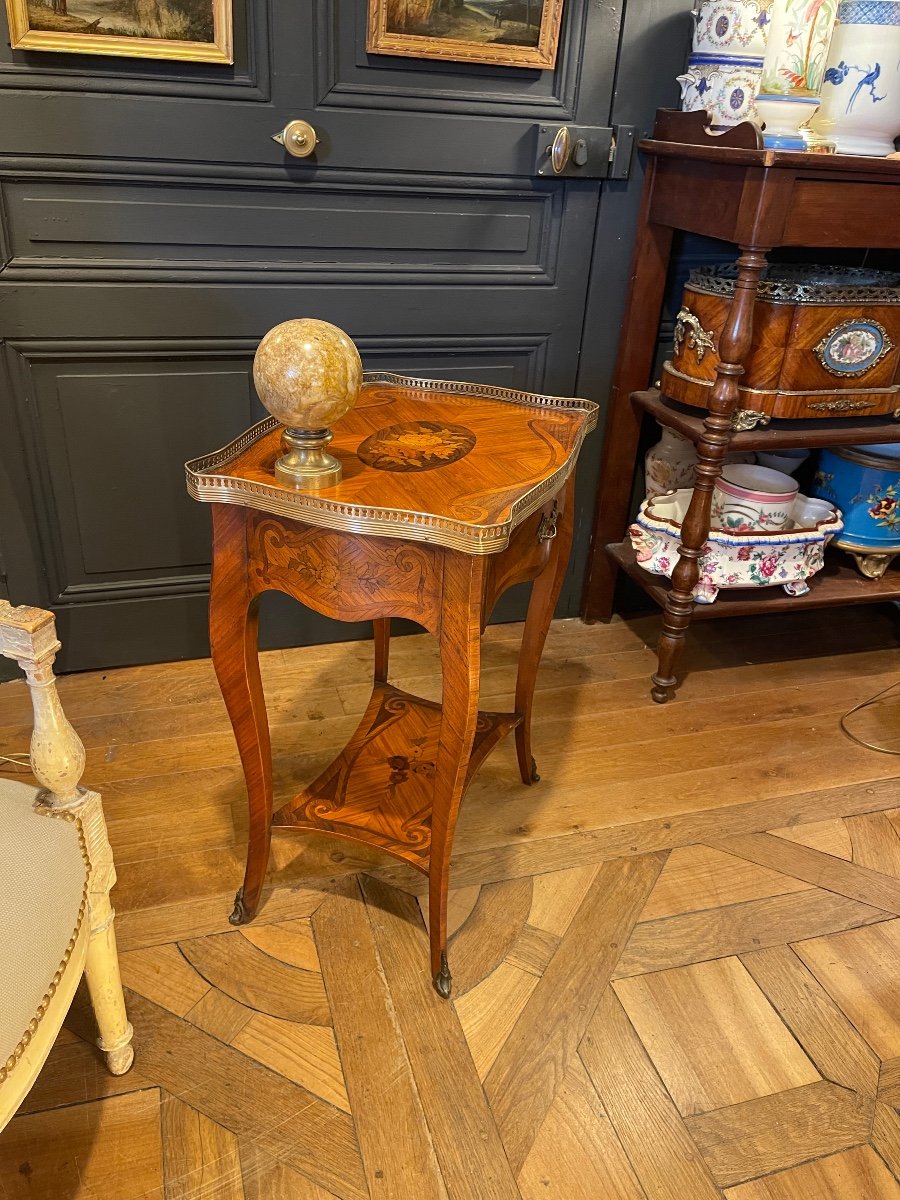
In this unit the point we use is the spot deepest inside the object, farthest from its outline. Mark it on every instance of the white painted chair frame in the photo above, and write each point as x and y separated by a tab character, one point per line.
28	635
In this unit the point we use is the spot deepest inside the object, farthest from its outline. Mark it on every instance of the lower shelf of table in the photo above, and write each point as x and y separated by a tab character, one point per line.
839	583
380	788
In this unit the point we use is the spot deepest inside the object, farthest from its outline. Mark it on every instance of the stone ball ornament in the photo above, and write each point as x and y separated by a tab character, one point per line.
307	374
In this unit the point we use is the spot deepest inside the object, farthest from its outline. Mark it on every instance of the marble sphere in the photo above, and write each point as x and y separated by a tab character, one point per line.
307	373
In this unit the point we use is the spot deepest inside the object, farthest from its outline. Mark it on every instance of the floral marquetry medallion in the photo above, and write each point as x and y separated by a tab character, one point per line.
416	446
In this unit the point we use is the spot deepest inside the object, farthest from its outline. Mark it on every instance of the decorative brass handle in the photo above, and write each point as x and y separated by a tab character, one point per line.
298	138
699	339
547	527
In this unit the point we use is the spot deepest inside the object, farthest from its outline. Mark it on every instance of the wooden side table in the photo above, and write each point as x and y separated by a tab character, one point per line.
726	186
451	493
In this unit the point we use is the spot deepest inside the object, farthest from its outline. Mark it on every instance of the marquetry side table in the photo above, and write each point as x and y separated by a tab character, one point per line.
451	493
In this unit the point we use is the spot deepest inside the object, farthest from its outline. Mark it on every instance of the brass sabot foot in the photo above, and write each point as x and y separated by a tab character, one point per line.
443	981
239	914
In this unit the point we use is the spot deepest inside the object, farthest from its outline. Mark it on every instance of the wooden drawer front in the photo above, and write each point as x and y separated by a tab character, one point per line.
344	575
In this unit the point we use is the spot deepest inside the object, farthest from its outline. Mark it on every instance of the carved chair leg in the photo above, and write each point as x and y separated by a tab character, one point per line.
544	594
105	987
460	670
233	630
101	969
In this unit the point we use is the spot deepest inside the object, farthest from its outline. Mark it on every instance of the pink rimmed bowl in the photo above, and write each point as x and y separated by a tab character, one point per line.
753	498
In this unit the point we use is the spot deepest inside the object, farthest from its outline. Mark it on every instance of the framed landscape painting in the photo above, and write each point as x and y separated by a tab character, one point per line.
194	30
510	33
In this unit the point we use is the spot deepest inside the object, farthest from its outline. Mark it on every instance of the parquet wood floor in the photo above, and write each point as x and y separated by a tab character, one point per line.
676	960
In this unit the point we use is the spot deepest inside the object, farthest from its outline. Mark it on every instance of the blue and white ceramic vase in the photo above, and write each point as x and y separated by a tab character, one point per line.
860	99
864	483
724	85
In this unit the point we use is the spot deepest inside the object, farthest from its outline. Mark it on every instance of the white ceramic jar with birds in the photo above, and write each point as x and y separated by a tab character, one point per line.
860	99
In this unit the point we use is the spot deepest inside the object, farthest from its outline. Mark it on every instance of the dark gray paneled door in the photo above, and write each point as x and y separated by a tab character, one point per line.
152	231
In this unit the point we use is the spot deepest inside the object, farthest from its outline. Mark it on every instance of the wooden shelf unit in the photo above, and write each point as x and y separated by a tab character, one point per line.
727	187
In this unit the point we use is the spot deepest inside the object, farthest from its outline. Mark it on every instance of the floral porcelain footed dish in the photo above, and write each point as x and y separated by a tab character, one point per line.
787	558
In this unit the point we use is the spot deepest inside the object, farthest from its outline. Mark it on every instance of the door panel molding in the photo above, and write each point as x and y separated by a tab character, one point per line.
70	229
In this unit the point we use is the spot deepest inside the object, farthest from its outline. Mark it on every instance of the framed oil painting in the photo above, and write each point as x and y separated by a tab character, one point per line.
193	30
510	33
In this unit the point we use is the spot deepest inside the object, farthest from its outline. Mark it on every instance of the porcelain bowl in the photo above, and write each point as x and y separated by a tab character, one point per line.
737	560
753	498
785	461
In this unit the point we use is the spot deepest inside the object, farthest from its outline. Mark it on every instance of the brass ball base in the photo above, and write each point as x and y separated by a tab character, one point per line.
307	464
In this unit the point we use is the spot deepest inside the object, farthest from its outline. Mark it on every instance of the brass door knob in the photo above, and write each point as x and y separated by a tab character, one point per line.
298	138
561	150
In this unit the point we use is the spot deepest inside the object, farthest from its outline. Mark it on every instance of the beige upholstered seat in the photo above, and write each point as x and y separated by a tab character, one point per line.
43	900
56	869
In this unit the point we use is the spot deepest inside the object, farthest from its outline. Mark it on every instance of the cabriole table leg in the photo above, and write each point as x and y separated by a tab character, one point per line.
544	595
460	644
233	627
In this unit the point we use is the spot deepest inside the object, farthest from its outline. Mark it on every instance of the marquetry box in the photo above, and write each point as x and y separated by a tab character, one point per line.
826	342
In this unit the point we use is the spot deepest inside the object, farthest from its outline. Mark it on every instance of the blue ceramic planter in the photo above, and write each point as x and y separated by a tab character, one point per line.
864	483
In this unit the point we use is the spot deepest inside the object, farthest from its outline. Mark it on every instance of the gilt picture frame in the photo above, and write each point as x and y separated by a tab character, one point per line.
508	33
186	30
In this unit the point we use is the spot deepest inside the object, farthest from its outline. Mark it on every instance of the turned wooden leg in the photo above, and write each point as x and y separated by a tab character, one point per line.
233	628
460	640
734	345
544	595
382	633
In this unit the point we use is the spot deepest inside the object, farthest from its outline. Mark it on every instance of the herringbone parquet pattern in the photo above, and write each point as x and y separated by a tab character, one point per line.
675	961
